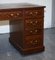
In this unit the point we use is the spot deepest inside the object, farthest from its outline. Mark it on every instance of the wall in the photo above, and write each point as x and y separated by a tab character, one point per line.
48	13
53	13
4	27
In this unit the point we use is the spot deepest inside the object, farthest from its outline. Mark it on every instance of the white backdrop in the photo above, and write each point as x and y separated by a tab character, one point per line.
4	28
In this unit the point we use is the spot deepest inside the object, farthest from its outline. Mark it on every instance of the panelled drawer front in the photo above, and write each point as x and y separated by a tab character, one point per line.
33	41
38	23
32	31
11	14
31	13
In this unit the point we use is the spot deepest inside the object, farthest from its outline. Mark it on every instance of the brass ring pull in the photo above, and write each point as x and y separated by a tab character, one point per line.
17	13
36	12
31	22
12	14
34	42
31	13
31	31
35	21
35	30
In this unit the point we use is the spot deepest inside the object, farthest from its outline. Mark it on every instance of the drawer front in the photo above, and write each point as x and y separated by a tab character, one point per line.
31	23
31	13
33	41
33	31
10	14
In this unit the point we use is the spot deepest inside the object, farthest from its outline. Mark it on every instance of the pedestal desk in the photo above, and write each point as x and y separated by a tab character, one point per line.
26	26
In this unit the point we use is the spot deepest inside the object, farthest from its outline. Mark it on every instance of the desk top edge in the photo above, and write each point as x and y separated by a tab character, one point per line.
18	5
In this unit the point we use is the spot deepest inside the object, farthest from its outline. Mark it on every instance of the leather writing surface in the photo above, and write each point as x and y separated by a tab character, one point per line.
18	5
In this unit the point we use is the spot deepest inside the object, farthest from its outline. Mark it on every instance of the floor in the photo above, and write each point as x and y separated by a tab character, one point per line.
8	52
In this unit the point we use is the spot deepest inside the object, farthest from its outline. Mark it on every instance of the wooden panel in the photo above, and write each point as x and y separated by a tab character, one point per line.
32	23
33	41
16	28
32	13
33	31
4	15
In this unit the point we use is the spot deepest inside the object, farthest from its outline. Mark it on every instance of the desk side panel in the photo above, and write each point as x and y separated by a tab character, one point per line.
16	29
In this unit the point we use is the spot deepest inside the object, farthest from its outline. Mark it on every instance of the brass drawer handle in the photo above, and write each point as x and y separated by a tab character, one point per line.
36	12
18	14
31	22
35	21
12	14
31	31
34	42
31	13
35	30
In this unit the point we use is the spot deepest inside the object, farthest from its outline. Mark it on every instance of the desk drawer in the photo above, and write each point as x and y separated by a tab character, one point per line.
33	31
31	23
31	13
33	41
11	14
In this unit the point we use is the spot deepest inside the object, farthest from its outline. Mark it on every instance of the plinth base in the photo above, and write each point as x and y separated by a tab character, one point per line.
28	50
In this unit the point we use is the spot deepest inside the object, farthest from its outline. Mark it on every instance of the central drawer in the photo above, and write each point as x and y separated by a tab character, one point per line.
17	14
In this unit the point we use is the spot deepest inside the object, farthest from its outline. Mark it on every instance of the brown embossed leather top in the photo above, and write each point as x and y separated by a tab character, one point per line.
18	5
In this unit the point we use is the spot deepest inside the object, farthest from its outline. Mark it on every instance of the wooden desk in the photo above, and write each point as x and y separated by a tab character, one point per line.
26	26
